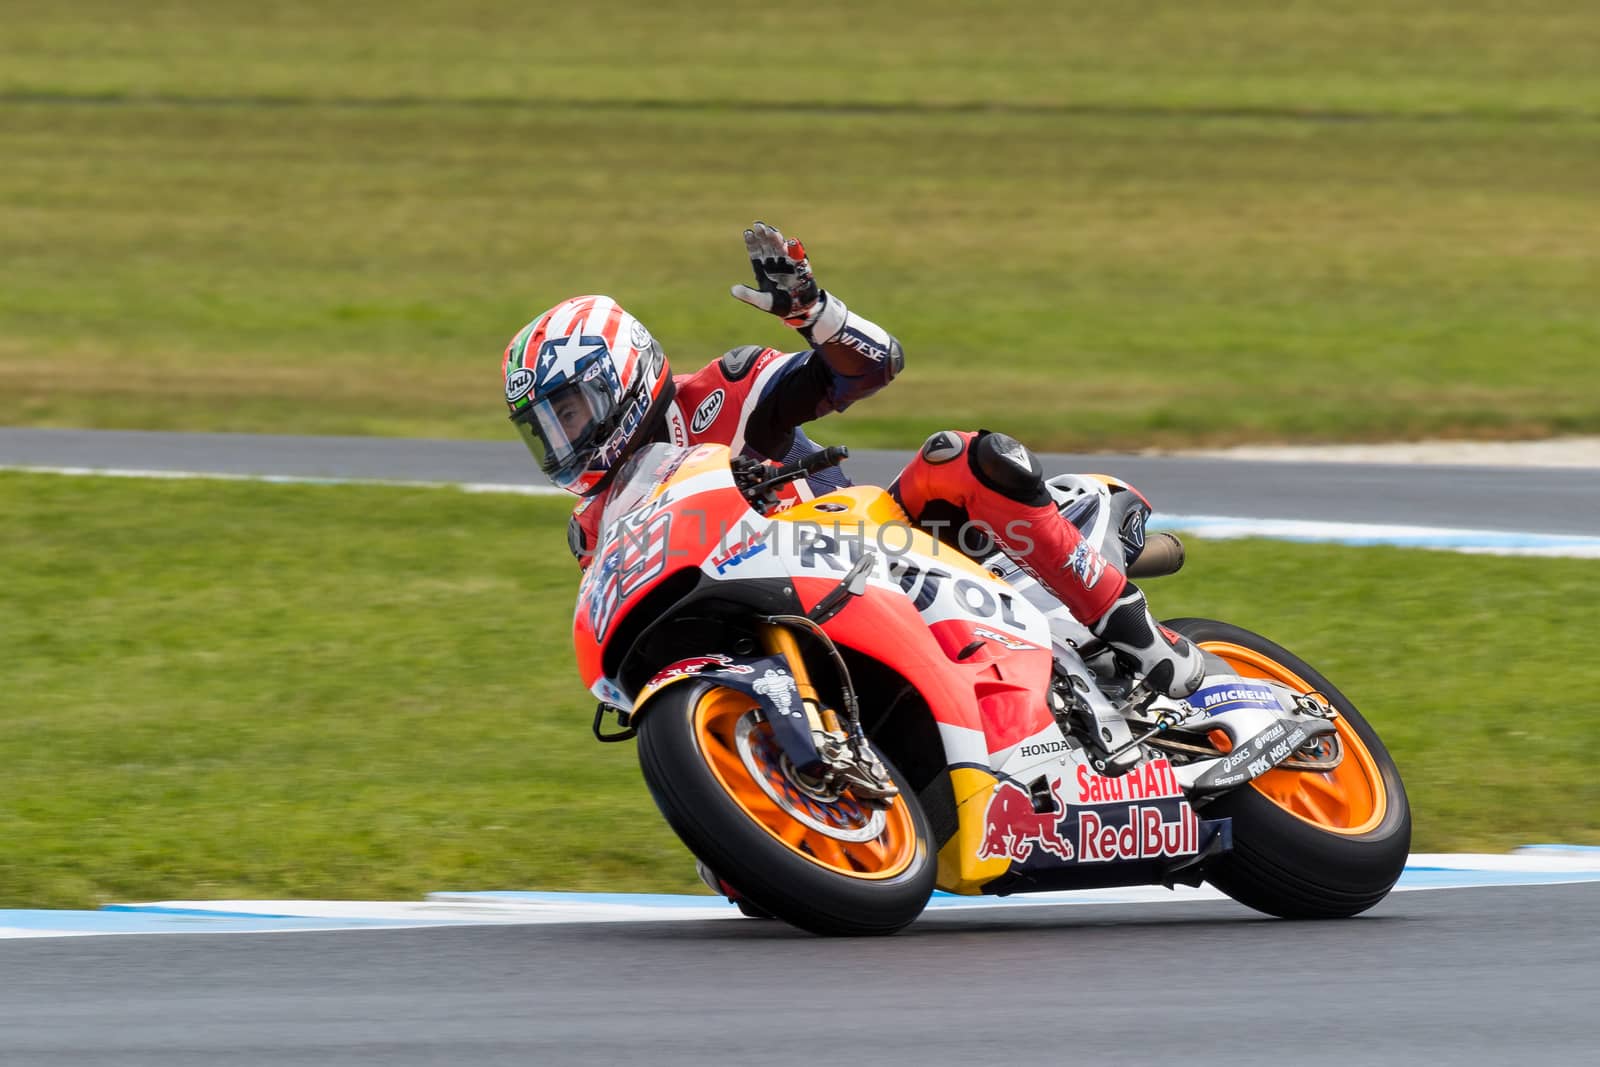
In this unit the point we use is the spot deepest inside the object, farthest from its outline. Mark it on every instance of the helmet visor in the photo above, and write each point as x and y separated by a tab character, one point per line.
563	429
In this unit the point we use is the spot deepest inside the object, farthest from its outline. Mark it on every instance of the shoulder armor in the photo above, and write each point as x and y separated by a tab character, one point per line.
737	363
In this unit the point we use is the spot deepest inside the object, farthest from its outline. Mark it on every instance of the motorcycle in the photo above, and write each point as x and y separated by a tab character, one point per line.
837	713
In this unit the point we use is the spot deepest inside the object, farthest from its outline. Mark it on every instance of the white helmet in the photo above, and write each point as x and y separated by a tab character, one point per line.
585	383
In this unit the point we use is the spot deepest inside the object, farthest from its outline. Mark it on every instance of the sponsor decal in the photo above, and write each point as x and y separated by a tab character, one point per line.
1148	781
1139	816
1216	699
1146	834
1043	748
922	583
1280	751
1012	828
619	440
519	383
639	335
779	688
1087	564
859	341
675	423
693	666
765	360
738	553
1257	745
707	412
1019	646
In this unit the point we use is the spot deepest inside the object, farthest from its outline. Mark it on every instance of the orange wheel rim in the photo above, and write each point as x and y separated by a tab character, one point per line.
839	834
1350	799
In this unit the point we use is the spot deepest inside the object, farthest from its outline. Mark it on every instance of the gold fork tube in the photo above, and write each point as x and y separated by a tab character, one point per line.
779	641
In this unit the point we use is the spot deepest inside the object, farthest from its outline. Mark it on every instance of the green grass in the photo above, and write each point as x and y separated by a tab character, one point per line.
1477	57
213	690
1142	224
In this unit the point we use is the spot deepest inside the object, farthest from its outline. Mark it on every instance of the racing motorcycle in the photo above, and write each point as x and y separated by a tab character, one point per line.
837	713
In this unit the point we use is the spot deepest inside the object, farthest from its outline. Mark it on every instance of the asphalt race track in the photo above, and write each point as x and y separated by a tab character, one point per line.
1464	976
1538	500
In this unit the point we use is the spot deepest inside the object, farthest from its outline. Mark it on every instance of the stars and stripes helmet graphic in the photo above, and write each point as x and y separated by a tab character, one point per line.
585	382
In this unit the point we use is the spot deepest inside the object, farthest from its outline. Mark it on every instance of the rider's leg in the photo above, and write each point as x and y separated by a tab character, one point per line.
992	481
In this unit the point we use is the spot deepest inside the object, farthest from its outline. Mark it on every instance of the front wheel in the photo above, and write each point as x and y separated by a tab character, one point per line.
826	863
1308	844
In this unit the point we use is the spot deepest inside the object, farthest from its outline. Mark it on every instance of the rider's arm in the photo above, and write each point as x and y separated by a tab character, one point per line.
796	387
861	356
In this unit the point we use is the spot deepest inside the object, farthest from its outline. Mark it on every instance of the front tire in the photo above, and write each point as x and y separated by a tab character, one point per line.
1308	845
830	867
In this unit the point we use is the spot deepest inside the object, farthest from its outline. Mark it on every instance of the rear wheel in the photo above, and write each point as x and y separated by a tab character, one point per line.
824	862
1308	844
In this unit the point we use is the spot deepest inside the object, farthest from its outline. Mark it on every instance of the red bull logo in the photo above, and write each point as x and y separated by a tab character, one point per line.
1144	835
1012	828
695	664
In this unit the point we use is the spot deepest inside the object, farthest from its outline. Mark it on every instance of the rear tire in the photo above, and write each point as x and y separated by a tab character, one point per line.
1308	845
712	795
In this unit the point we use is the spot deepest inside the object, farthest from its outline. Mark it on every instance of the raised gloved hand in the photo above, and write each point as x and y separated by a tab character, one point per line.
784	285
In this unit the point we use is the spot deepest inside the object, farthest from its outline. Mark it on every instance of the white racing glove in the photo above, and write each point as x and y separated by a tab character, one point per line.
785	286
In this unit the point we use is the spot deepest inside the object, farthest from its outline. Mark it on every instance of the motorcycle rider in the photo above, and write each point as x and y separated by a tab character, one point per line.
587	385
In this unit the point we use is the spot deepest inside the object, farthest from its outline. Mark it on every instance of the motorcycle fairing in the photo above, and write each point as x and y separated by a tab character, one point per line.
978	655
966	652
649	533
1057	824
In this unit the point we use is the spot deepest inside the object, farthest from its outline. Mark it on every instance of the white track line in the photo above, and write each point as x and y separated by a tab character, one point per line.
1532	866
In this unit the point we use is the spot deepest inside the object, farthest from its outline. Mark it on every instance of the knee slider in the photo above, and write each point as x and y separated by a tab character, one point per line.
1004	464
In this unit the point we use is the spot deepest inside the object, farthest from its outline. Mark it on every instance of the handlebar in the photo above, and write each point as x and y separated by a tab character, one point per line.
816	461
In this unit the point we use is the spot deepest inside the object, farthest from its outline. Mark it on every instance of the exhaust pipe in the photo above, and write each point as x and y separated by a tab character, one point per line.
1162	555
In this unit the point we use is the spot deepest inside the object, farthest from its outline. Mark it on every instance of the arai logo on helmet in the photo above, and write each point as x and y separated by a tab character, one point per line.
518	384
707	412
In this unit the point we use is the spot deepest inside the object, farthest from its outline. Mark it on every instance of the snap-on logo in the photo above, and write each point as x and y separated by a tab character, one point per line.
707	412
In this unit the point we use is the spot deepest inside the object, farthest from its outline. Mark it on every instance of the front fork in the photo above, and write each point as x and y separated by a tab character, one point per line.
844	750
779	640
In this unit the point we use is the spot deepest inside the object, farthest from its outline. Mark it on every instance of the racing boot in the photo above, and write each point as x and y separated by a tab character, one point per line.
1170	662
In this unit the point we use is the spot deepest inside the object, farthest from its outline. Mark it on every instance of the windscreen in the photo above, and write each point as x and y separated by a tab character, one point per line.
638	478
